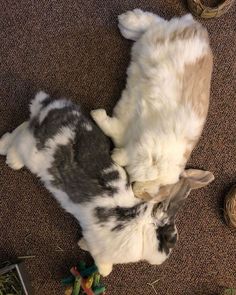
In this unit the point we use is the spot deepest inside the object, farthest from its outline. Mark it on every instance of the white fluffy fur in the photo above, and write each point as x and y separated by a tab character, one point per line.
36	103
150	126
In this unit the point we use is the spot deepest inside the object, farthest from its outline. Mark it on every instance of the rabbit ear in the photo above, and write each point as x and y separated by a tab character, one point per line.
179	193
197	178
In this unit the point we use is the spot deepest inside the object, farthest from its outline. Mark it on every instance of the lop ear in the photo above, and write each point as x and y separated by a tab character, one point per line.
197	178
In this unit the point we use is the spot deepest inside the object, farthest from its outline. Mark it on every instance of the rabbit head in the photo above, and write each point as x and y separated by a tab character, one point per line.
171	197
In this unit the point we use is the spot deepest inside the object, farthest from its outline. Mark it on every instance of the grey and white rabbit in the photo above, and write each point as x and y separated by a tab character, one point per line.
71	156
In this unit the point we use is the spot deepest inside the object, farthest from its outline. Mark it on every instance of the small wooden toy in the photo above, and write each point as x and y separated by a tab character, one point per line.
200	9
230	208
83	281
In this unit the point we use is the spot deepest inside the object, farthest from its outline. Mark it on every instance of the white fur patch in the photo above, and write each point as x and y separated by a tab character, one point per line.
76	113
88	126
63	137
35	105
57	104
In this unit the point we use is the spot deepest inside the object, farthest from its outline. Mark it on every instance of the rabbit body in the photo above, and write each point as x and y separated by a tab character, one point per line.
71	156
162	111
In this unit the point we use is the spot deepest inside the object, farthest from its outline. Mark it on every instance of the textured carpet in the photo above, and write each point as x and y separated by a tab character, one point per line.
74	48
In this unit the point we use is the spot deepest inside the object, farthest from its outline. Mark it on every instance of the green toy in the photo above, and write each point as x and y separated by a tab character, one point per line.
230	291
84	281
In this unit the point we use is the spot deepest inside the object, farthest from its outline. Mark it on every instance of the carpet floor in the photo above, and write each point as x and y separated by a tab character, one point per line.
74	48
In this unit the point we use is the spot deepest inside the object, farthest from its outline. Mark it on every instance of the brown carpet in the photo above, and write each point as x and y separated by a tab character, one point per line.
74	48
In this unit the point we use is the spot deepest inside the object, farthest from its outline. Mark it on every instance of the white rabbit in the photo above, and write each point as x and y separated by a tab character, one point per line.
162	111
71	156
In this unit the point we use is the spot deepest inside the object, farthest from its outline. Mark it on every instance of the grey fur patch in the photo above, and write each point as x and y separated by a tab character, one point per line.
78	167
80	182
120	214
172	205
55	119
167	237
47	101
118	227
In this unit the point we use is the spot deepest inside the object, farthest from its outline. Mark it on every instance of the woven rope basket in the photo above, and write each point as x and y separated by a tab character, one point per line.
199	9
230	207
